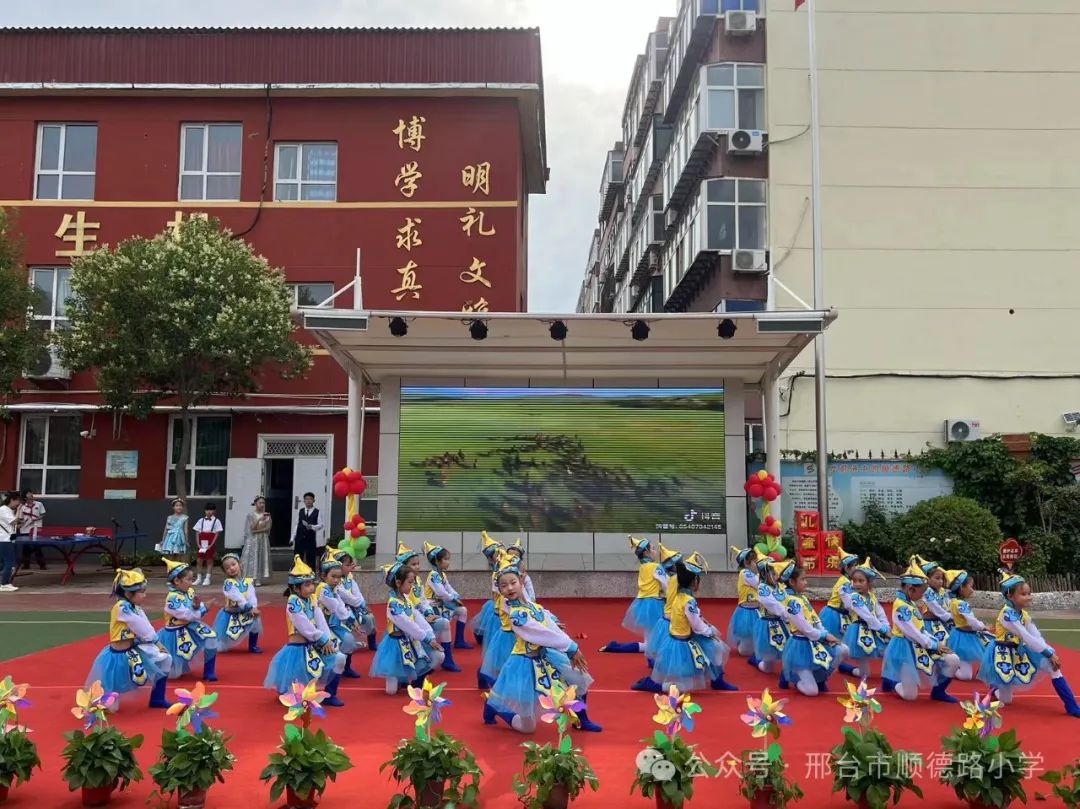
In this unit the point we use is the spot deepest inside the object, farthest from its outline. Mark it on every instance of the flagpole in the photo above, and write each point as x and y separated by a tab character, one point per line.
819	280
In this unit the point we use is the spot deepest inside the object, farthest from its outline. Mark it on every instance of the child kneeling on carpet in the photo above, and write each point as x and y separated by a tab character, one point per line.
339	617
812	652
185	635
772	633
868	633
744	619
240	615
311	651
349	592
133	658
416	596
969	635
445	599
542	655
648	606
408	650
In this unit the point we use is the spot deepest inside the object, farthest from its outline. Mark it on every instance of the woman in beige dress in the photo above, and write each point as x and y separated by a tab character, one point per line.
255	557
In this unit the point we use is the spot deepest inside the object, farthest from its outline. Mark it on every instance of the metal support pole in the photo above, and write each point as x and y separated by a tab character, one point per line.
354	426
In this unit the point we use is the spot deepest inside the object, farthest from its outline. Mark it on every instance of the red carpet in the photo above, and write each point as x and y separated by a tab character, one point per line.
371	723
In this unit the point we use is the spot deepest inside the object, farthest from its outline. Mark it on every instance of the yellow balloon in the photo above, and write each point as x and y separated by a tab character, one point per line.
762	474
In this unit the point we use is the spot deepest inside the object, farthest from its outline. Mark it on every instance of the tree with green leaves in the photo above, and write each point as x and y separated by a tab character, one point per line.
21	343
179	318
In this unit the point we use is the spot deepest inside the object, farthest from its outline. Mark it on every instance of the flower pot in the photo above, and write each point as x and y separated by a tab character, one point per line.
430	797
558	798
762	799
981	805
662	803
3	794
192	799
97	796
294	801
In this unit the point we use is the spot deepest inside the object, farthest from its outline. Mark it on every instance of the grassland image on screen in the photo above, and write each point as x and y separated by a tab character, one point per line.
561	460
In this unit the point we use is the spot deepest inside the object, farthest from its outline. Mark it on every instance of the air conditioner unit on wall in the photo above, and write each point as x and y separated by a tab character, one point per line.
671	216
754	262
48	366
746	141
957	430
740	23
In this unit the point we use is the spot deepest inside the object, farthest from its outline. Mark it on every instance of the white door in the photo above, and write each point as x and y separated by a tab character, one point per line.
244	485
313	475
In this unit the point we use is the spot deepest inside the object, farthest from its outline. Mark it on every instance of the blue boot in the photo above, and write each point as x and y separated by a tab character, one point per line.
478	637
720	684
784	684
331	689
350	672
753	661
448	663
1067	696
823	686
849	670
939	692
483	682
888	686
647	684
459	637
618	648
650	662
419	681
209	671
253	644
490	715
584	723
157	694
373	641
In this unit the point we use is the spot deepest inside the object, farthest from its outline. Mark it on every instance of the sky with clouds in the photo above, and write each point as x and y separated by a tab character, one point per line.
588	50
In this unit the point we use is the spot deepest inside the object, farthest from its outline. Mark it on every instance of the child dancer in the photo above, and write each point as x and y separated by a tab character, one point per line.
969	636
772	633
542	655
812	652
240	615
133	657
1018	655
407	651
692	653
311	652
744	619
439	625
491	548
339	617
185	635
349	592
648	607
868	633
913	656
836	615
669	558
445	599
527	590
934	606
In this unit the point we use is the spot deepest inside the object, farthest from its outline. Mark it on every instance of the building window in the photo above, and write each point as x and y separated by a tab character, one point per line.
66	157
306	171
209	460
741	5
210	161
736	305
735	218
309	294
54	287
656	294
51	454
736	96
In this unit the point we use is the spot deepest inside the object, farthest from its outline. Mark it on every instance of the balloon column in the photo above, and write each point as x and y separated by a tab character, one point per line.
763	488
350	484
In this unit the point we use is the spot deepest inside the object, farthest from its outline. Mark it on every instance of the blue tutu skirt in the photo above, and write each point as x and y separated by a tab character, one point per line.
515	689
763	650
299	663
497	649
124	671
226	627
186	643
347	643
871	647
1021	663
660	630
389	661
799	656
899	665
482	622
834	621
743	626
642	615
968	646
676	662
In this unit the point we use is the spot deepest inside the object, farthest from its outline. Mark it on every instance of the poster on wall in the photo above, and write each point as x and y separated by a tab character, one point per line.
562	460
122	463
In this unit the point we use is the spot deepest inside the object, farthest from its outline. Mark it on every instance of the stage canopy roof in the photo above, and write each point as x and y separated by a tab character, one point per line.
596	346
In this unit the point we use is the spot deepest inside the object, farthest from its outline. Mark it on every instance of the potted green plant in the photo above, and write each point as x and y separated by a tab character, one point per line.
18	755
1065	783
667	767
194	755
304	761
864	765
983	769
554	776
101	759
762	778
433	769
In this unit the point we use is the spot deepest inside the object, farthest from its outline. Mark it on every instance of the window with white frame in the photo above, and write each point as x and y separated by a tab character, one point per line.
53	285
741	5
306	171
210	161
208	462
66	161
51	454
735	217
736	96
309	294
740	305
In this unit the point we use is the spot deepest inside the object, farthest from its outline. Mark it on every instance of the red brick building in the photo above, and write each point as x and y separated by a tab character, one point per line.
420	148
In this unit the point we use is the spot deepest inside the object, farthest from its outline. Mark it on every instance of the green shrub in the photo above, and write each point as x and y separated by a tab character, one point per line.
1042	552
955	531
1063	513
875	536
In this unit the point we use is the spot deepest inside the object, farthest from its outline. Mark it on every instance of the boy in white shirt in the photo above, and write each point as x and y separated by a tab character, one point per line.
207	531
31	519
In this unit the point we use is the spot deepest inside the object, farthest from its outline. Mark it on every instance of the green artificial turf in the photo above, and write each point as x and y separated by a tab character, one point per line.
23	633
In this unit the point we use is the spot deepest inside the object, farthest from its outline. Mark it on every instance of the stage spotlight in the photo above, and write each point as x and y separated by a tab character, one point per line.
558	330
398	327
478	329
640	330
726	329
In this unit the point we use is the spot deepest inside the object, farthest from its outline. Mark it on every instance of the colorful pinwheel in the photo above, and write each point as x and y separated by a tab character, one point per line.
675	712
12	698
193	707
561	707
765	716
93	704
426	705
984	713
860	704
303	702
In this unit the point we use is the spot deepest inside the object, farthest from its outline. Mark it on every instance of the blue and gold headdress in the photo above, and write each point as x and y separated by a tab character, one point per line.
742	554
230	555
784	570
330	560
867	568
696	564
924	565
174	570
390	572
1009	582
914	576
130	581
669	557
405	553
489	546
300	572
639	546
431	552
955	579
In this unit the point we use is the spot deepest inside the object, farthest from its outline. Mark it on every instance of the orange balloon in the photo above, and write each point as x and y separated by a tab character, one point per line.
762	474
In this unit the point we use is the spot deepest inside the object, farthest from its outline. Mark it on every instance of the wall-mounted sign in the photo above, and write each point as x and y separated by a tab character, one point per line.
119	494
122	463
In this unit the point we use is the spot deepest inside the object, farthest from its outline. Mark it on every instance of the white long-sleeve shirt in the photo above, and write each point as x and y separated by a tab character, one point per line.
937	606
527	586
247	599
137	622
798	621
767	599
535	625
409	621
349	592
1013	622
443	590
969	615
181	607
314	628
875	619
902	619
329	601
697	623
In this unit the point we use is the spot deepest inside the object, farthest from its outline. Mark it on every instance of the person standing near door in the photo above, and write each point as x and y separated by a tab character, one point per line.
9	507
31	519
308	528
255	558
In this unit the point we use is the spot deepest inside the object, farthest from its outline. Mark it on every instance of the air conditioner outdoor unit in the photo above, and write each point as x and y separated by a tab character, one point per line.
746	141
671	216
750	261
740	23
48	366
957	430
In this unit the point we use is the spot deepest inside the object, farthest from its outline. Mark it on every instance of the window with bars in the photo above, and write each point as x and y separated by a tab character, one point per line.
66	161
51	454
306	172
208	461
210	161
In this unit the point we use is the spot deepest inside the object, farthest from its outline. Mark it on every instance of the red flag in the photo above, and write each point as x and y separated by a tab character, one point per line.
798	3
